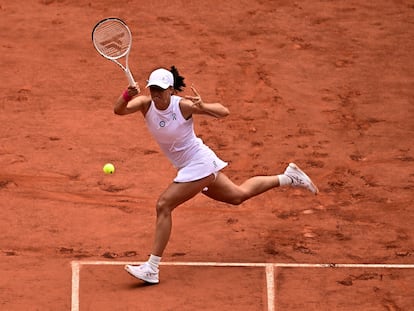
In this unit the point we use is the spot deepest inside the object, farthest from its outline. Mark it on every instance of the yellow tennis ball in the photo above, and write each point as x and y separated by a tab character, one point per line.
109	168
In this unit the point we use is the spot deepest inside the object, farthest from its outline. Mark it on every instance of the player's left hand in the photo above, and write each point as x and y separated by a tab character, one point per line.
197	101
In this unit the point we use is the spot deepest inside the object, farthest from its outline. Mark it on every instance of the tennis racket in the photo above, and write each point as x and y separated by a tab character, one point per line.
113	40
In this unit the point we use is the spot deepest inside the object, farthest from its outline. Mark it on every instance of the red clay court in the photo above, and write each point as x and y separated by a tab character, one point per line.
328	85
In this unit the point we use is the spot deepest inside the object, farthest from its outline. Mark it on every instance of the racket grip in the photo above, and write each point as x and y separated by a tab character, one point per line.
131	80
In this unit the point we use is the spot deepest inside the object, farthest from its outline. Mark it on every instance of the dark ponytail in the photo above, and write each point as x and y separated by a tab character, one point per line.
178	80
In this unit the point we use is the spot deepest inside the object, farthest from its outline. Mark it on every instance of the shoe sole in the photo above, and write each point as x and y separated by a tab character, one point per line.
142	279
294	166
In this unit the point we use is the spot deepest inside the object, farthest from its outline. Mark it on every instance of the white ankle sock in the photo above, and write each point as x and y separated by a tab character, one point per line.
154	261
284	180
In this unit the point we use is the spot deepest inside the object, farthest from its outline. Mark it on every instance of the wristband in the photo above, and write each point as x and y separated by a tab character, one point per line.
126	96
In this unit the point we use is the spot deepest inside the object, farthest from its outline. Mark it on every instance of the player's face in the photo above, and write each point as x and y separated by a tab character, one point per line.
160	96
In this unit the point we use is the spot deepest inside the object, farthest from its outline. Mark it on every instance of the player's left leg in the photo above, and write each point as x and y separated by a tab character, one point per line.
224	190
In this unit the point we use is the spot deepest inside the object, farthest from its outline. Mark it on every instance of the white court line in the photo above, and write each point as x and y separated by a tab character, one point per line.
75	285
251	264
270	284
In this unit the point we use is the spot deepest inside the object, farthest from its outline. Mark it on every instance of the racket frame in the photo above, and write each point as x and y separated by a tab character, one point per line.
114	59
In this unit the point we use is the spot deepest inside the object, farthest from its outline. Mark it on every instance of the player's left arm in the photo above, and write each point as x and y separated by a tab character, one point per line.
195	105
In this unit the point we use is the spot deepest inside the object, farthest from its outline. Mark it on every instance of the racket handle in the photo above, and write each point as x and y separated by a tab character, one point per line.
130	78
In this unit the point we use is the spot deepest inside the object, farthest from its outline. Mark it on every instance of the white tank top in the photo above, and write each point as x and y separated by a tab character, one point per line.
173	133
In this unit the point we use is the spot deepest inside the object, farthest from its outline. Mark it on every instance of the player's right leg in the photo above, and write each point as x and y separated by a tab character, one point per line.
173	196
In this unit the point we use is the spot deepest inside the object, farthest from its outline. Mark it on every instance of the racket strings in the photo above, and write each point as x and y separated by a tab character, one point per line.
112	39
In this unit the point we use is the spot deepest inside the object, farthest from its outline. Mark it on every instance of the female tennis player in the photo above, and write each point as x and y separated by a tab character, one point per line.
169	119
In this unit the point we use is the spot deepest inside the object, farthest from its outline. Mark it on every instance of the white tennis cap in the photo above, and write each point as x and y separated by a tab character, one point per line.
162	78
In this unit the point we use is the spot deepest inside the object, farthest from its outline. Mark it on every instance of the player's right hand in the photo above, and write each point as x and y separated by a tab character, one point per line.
133	90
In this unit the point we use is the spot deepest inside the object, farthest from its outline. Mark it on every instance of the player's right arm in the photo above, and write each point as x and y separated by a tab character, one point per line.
137	103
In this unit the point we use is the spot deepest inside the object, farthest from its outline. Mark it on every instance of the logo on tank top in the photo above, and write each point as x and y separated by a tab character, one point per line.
162	123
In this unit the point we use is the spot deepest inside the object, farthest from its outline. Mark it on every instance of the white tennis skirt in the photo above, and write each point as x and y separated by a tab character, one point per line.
202	166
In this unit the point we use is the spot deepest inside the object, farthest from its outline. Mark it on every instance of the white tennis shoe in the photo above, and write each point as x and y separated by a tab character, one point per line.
144	272
300	179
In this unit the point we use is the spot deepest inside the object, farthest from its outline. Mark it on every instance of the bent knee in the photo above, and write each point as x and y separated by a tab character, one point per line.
237	200
239	196
163	207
